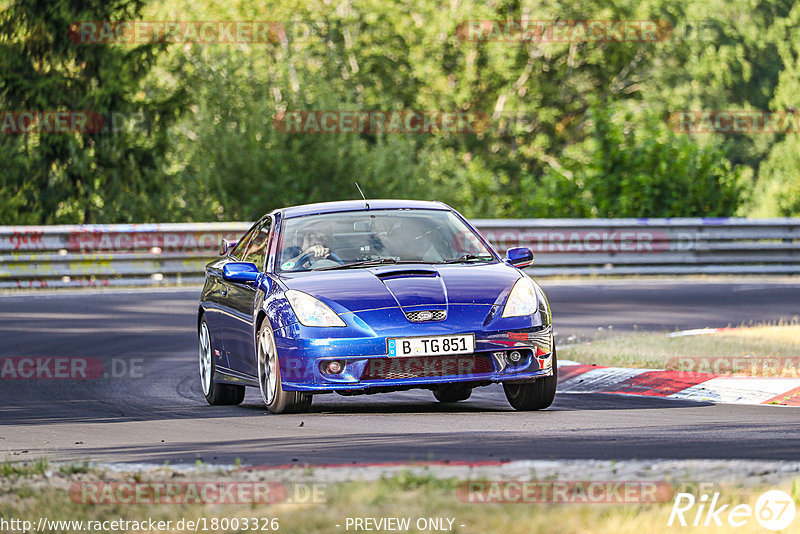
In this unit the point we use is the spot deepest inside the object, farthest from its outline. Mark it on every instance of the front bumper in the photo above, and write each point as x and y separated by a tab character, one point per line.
366	365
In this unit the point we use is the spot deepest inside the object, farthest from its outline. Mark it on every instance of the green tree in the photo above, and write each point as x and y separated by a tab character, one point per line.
637	167
578	129
82	177
778	189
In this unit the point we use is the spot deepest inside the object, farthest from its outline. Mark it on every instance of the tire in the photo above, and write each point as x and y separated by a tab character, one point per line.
452	393
216	394
269	377
536	395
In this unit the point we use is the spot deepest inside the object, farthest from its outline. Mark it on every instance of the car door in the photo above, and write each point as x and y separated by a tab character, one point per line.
215	297
214	309
241	302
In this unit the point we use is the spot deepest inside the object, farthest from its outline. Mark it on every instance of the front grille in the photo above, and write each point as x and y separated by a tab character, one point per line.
427	366
424	316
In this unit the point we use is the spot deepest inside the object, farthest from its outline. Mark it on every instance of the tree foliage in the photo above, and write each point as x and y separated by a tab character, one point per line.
577	129
82	176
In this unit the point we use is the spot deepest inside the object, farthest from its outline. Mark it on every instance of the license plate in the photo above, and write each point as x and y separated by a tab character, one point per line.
431	346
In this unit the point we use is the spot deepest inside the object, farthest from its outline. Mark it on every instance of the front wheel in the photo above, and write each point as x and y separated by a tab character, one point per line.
269	378
536	395
216	394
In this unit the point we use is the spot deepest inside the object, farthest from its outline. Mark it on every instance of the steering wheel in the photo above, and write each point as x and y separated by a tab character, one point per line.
309	258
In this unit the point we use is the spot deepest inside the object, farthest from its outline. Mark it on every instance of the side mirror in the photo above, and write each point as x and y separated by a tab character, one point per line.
226	246
241	271
519	256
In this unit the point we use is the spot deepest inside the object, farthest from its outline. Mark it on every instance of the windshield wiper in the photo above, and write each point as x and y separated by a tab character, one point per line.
391	261
364	263
470	257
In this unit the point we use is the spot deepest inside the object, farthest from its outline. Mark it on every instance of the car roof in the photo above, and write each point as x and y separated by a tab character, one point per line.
358	205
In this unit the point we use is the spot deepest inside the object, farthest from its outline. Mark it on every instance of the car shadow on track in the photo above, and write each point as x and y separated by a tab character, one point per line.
484	400
72	407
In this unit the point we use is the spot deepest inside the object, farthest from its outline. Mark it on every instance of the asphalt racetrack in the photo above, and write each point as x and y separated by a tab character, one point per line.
149	408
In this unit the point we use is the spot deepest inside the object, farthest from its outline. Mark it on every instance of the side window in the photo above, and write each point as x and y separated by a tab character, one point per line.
239	250
257	248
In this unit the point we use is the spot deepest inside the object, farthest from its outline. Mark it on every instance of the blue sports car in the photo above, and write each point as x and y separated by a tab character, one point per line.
372	296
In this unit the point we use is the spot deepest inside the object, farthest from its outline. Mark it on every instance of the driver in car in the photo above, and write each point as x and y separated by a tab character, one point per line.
314	248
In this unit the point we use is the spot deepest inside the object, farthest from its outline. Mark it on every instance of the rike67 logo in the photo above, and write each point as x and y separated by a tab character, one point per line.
774	510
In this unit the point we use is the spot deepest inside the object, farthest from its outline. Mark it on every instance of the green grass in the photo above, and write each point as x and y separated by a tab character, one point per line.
12	470
73	469
403	495
659	351
24	469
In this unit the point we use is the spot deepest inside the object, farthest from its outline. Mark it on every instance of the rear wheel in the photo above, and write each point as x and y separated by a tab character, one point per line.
536	395
452	393
269	378
215	394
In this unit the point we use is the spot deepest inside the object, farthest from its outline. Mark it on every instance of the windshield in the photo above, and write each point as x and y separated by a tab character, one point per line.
366	238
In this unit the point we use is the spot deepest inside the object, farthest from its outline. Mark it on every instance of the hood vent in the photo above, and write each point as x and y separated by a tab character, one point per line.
406	273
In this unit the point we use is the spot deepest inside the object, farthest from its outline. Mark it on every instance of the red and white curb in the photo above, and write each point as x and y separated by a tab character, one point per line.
708	387
698	332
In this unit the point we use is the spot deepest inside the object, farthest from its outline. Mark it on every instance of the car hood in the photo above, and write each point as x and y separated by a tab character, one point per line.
424	286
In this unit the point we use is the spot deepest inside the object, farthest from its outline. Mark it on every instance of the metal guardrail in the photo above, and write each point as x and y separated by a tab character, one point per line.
653	246
109	255
154	254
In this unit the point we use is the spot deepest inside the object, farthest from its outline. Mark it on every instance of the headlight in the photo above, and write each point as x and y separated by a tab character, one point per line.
312	312
522	300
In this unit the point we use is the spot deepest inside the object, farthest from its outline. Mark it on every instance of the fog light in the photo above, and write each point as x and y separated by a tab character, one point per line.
333	367
514	356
